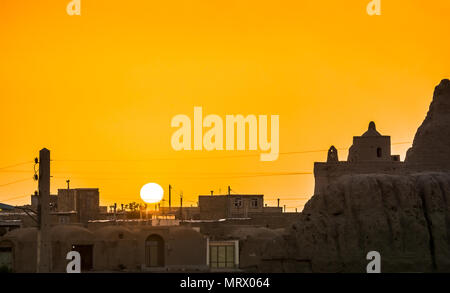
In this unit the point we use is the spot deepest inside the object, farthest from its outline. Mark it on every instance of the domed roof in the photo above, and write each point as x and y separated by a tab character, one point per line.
371	131
21	235
70	232
113	233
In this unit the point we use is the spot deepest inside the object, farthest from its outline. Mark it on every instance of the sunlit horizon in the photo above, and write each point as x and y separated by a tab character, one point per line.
99	90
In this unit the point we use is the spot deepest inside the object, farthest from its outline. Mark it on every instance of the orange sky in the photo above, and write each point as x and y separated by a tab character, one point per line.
102	87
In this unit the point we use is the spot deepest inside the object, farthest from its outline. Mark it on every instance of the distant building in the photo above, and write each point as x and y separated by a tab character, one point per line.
370	153
185	213
233	206
83	201
215	207
53	202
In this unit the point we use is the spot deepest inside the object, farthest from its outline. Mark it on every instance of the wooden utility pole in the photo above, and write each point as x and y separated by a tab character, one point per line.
170	197
181	206
229	202
43	241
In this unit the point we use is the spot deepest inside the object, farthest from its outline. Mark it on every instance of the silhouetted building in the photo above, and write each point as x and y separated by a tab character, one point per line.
53	200
233	206
83	201
370	153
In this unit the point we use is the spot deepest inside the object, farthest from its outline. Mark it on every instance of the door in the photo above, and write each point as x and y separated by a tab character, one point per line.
86	254
154	251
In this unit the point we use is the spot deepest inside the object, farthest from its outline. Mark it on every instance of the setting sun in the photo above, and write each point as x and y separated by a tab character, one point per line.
152	193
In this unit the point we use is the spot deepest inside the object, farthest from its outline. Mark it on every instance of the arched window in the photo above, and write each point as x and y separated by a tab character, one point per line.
379	152
154	251
332	154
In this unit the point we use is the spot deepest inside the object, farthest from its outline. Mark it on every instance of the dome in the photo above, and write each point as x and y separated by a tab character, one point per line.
21	235
371	131
69	232
112	233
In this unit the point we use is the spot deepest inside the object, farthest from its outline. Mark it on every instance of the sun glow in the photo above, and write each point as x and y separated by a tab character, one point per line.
152	193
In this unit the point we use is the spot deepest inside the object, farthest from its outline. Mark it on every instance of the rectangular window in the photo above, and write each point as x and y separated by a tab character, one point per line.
254	203
237	202
222	256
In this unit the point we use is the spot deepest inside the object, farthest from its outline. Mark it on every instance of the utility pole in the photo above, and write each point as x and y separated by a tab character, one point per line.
170	197
229	202
181	206
43	241
278	202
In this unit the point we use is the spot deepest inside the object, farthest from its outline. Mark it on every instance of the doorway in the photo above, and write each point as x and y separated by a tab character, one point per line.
154	251
86	254
6	257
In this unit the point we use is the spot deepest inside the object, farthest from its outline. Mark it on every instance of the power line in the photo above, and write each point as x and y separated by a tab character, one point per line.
15	171
191	178
200	158
184	158
13	182
15	197
15	165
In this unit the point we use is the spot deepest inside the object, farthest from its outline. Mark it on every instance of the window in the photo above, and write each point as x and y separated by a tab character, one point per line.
238	202
222	256
379	153
64	219
254	203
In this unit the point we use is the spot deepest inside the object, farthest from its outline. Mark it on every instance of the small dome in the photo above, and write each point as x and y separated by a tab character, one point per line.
371	131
